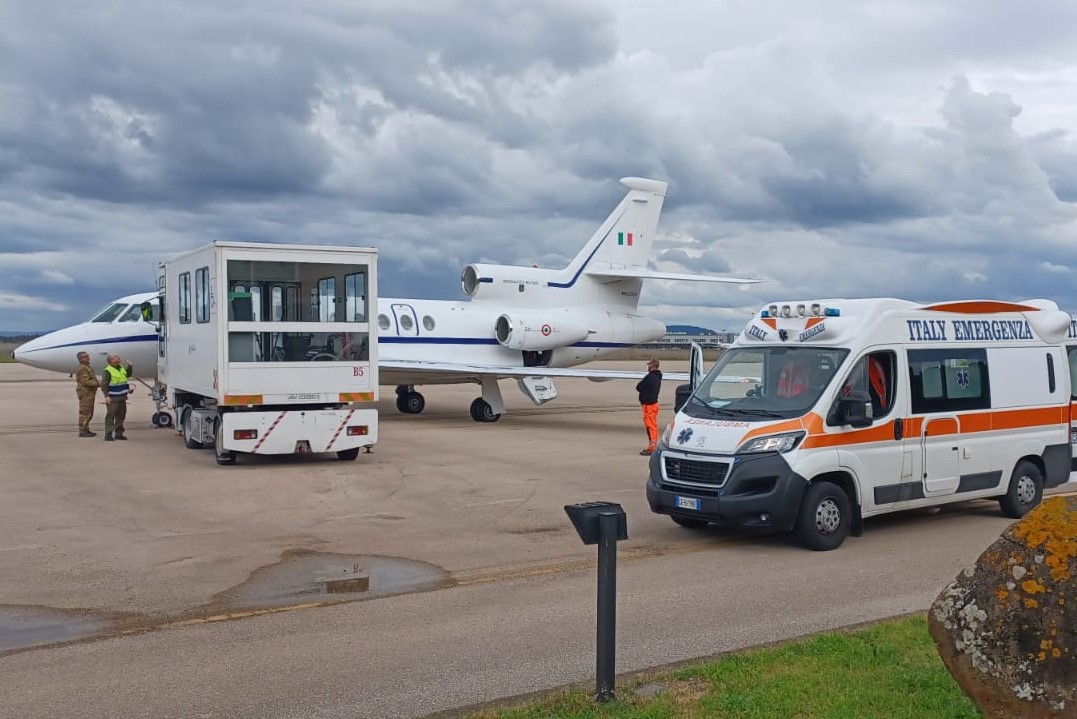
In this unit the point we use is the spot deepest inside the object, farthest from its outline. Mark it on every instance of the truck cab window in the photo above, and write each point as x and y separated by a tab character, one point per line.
873	374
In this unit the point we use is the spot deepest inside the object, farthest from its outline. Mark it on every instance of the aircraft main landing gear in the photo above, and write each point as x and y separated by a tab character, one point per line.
481	411
408	401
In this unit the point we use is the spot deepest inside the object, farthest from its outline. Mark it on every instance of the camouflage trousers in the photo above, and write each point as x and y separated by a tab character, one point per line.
85	411
115	415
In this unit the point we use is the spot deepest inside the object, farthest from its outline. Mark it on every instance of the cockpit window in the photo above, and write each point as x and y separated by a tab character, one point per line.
111	312
133	314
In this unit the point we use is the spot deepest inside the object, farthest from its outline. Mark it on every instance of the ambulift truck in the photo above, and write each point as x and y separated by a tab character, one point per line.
269	349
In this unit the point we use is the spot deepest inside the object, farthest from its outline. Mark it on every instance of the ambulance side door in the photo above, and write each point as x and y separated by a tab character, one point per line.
950	390
878	454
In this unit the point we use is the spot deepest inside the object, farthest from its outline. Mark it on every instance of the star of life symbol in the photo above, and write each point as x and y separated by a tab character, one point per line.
684	435
963	380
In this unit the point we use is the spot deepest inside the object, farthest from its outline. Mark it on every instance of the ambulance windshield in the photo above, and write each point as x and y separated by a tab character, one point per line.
765	383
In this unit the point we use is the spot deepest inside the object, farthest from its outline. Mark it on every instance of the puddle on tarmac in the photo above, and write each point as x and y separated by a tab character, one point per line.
301	577
23	627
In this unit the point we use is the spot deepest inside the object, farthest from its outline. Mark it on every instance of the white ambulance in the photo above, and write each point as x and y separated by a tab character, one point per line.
825	412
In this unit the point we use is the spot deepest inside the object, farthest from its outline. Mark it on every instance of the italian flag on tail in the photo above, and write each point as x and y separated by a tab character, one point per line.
624	238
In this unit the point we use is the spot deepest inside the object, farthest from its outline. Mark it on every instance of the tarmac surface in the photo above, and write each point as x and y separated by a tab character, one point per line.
139	579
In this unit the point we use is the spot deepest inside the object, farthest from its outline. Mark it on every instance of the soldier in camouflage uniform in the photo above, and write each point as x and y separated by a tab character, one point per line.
86	386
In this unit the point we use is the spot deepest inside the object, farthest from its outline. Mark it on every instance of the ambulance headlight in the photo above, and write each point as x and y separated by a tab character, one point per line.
663	441
772	443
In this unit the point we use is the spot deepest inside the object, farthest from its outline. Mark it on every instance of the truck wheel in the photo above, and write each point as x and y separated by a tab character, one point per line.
1025	492
161	419
188	432
824	518
347	455
689	522
223	458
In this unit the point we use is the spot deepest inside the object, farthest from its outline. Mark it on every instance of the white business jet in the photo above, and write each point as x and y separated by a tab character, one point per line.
526	323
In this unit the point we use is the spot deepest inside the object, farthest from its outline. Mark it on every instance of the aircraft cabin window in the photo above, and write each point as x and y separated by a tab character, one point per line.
110	313
383	322
405	322
428	323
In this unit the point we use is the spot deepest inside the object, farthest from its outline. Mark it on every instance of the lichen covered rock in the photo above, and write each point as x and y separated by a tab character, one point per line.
1007	628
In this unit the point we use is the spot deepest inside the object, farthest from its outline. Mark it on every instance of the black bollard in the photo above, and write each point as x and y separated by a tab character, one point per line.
603	523
606	637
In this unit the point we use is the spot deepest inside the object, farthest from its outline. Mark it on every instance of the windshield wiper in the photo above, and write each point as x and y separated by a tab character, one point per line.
713	410
760	412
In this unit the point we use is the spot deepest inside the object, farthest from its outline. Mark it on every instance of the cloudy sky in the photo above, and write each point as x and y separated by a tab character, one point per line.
831	148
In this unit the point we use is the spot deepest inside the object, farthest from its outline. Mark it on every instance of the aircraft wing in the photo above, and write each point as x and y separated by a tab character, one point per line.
645	274
431	370
458	369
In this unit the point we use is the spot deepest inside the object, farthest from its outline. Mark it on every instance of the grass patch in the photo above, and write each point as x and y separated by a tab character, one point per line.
889	670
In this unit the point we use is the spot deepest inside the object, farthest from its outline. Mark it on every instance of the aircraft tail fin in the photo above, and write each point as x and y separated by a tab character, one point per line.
626	238
622	247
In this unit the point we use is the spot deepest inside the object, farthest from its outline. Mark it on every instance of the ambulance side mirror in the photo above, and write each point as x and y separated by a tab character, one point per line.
855	409
684	391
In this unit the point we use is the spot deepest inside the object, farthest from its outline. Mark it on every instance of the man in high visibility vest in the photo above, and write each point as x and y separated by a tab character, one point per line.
116	388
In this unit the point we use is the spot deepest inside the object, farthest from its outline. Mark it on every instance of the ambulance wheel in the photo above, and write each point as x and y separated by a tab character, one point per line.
825	517
161	419
188	432
481	411
689	522
1025	492
410	402
348	455
223	458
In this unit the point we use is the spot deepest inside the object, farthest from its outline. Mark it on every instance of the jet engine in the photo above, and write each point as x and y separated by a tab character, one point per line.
535	333
517	286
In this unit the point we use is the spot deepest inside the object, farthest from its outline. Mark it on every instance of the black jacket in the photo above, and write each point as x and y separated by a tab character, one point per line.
649	386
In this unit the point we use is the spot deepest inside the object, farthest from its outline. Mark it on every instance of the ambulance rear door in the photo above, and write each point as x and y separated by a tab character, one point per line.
1071	350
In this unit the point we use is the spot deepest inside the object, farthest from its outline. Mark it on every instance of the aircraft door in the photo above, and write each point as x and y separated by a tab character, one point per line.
407	324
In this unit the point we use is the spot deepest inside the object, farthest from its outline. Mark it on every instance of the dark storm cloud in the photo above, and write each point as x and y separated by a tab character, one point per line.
182	103
809	147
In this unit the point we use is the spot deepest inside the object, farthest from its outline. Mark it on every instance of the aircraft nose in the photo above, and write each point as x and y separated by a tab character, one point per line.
25	353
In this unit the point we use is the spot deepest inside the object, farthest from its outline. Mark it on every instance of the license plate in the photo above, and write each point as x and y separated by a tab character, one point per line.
688	503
